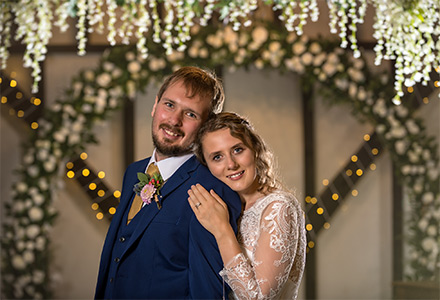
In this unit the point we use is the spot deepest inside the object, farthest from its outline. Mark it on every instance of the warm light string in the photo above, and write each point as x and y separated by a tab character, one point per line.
407	32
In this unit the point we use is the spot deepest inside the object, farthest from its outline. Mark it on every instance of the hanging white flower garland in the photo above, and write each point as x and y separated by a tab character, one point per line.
66	130
406	31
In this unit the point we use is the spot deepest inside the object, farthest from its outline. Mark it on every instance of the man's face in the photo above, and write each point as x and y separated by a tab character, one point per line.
176	121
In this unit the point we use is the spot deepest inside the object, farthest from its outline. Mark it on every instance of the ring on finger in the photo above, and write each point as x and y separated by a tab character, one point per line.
198	204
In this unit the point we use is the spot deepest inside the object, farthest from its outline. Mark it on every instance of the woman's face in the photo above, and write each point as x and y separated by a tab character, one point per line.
231	161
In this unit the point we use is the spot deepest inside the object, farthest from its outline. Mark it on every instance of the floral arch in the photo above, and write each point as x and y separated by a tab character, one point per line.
94	94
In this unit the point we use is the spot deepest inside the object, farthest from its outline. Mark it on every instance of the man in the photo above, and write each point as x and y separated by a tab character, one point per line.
162	252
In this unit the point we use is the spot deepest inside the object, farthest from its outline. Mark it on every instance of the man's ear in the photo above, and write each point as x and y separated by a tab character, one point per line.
154	106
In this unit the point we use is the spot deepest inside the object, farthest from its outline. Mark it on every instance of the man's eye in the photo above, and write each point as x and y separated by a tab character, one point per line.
168	104
191	115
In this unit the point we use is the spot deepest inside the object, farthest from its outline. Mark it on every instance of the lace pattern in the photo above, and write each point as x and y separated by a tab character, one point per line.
272	236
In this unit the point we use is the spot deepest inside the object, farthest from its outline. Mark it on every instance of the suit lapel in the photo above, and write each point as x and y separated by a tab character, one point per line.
150	211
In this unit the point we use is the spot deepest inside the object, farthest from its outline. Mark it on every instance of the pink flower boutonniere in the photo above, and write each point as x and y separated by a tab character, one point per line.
148	187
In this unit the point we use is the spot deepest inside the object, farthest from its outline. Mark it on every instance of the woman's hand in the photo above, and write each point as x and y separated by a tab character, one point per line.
210	210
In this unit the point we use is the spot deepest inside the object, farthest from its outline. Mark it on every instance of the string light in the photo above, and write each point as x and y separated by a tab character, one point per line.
20	113
112	210
34	125
309	227
70	174
326	225
117	194
375	151
426	100
100	216
372	166
311	244
354	158
13	83
19	95
313	200
335	196
101	193
367	137
95	206
83	156
320	211
101	174
349	172
359	172
325	182
85	172
92	186
4	99
354	193
69	165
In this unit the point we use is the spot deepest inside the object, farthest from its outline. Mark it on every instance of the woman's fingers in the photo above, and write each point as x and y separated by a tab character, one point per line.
218	199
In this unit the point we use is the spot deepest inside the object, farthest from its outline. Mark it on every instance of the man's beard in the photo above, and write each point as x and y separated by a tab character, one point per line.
173	150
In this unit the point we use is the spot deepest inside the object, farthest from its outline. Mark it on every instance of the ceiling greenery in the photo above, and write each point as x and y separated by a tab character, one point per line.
407	31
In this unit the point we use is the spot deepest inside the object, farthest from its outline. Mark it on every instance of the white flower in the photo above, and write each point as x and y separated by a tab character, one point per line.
134	67
307	58
380	108
157	64
38	276
412	126
89	75
33	231
401	147
33	171
28	159
42	183
260	34
28	256
329	69
130	56
42	154
21	187
432	230
18	206
104	79
298	48
36	214
428	244
50	164
40	243
18	262
428	198
355	75
315	48
423	224
398	132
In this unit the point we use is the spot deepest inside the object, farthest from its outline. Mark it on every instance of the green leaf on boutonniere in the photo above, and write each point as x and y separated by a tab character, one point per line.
143	177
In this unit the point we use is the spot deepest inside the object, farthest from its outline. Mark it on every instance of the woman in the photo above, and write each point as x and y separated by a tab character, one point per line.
267	261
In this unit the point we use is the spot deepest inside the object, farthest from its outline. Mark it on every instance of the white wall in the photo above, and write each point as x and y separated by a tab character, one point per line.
354	255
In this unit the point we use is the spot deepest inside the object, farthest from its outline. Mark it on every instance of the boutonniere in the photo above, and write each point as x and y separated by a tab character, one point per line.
148	187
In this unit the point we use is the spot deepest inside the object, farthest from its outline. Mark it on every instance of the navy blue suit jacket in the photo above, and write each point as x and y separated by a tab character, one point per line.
169	255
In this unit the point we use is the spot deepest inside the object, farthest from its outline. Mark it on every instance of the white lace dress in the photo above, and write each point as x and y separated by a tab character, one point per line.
272	236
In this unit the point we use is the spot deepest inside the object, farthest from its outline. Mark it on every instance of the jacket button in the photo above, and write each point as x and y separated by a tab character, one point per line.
117	259
122	239
111	280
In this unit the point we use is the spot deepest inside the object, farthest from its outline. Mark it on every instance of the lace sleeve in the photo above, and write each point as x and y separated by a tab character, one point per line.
274	255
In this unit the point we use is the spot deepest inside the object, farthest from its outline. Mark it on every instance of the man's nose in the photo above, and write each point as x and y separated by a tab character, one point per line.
176	118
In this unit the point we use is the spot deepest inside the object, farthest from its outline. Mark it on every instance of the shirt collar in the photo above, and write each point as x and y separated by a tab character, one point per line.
168	166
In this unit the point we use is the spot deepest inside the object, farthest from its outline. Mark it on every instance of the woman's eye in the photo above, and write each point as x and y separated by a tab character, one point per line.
238	150
216	158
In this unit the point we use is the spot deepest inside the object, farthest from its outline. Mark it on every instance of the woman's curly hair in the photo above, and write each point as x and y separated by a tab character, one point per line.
241	129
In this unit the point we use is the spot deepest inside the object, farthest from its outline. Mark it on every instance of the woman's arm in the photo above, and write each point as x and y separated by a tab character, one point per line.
213	214
275	252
